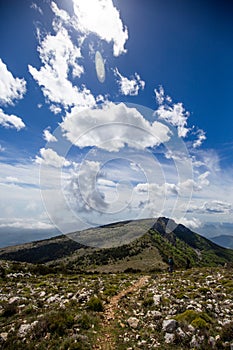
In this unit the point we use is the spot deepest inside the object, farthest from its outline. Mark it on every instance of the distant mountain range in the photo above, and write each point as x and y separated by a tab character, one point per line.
143	249
223	240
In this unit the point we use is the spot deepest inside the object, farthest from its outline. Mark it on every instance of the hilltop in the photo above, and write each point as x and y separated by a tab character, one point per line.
143	249
57	293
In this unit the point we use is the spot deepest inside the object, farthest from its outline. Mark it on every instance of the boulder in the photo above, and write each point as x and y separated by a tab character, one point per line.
133	322
169	326
157	299
169	338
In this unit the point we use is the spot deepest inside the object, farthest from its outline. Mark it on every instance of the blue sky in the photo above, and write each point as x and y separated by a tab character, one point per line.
112	110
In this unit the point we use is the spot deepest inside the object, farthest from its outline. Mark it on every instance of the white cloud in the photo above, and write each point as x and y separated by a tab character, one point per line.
112	127
200	138
63	15
157	190
10	88
23	173
20	223
195	185
129	86
208	158
55	109
19	186
51	158
175	115
48	136
159	95
2	149
11	121
102	19
35	7
60	58
213	207
83	190
191	223
12	179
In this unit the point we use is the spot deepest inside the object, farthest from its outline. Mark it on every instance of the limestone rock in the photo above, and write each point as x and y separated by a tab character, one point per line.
169	326
169	338
133	322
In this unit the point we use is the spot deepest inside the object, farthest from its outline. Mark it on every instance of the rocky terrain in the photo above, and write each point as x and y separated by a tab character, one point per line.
189	309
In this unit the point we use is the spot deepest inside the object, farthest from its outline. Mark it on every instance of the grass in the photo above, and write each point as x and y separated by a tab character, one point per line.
72	322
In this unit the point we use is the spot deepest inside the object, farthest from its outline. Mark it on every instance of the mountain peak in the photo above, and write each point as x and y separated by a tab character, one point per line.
145	245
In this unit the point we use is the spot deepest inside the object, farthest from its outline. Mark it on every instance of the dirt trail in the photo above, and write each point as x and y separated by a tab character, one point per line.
106	341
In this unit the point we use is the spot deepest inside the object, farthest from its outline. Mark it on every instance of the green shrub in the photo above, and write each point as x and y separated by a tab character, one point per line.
57	322
148	302
85	321
110	291
199	323
95	304
187	316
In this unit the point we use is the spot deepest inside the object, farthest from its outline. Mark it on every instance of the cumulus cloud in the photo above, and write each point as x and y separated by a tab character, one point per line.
63	15
112	127
175	115
83	192
213	207
157	190
200	138
129	86
48	136
195	185
51	158
55	109
10	88
161	97
102	19
60	58
11	121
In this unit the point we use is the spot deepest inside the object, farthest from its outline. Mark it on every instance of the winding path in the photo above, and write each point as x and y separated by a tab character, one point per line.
106	341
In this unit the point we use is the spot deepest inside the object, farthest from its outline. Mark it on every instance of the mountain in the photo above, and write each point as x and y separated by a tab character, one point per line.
143	249
225	241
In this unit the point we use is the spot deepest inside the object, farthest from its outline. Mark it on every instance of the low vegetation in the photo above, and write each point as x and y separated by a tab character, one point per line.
67	311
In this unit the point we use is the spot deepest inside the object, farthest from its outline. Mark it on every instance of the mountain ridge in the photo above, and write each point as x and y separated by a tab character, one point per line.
148	251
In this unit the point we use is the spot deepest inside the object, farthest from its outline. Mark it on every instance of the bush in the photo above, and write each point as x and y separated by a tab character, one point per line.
55	322
148	302
95	304
84	321
199	323
110	291
189	316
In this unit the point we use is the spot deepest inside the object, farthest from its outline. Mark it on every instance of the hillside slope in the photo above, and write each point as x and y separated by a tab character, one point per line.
148	252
